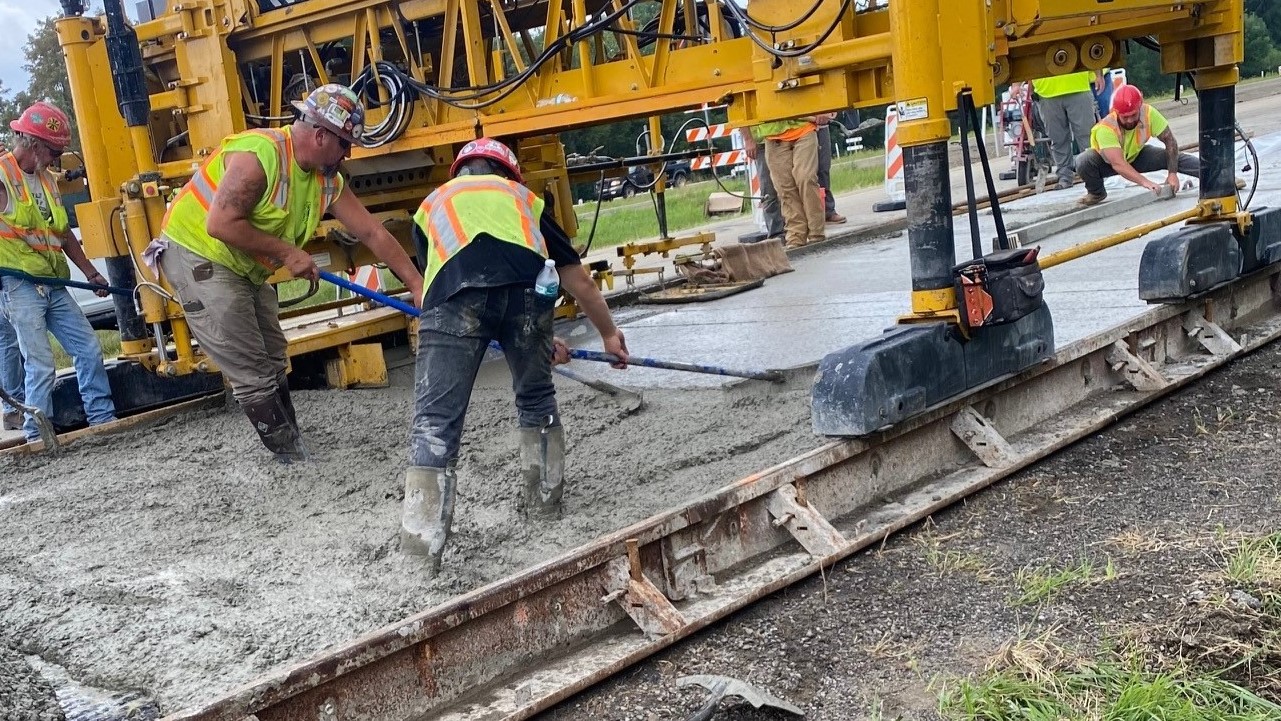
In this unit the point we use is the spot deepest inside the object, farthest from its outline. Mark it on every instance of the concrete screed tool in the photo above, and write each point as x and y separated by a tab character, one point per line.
403	307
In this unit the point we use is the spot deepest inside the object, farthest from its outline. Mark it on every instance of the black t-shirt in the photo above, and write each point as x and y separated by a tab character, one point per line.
487	262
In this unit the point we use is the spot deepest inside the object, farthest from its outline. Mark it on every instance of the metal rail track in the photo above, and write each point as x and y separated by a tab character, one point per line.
527	642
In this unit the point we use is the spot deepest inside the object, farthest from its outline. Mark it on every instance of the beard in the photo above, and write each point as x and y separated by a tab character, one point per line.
330	171
1128	126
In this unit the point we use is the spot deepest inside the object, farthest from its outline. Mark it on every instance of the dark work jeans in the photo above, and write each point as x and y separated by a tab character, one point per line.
452	341
1092	167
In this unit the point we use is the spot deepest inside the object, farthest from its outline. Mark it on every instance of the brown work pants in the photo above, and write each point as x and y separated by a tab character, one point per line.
236	322
793	165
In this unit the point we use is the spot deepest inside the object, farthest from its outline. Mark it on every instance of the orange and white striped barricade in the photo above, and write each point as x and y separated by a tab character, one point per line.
894	189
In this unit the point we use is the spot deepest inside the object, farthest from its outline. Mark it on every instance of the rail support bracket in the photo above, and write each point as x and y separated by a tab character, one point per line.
641	600
1137	372
815	534
976	432
1211	337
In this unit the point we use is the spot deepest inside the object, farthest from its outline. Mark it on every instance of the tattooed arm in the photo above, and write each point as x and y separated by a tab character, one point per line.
243	184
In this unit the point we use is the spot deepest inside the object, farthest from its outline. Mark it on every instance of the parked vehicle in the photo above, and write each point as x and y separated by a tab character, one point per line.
640	179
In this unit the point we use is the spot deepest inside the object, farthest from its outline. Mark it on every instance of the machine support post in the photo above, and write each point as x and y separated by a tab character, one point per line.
1216	121
923	132
928	187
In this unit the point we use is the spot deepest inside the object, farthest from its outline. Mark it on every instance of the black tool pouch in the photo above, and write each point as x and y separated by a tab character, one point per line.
999	288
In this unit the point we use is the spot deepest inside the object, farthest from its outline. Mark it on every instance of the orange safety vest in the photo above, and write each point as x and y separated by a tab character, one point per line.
29	242
290	217
463	208
1139	137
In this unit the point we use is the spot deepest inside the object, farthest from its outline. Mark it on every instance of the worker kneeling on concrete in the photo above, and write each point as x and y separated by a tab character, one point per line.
1118	146
247	211
489	246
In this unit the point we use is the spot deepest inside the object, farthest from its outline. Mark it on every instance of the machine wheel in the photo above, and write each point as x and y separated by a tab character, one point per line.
628	191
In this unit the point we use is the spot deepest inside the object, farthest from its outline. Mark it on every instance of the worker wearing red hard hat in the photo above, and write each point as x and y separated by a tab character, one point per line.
36	242
491	250
1119	146
249	210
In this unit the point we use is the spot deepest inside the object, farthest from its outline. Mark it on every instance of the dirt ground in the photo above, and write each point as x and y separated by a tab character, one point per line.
883	632
178	561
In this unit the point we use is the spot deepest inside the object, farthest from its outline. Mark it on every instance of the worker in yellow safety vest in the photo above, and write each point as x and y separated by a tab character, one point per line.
36	241
1119	146
490	249
247	211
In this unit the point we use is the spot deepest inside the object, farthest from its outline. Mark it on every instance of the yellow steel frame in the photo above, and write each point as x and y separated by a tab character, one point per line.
212	65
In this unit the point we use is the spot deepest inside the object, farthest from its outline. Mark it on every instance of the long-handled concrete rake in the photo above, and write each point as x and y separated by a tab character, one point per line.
43	425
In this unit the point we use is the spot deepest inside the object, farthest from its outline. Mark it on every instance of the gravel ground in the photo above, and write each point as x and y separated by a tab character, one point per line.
884	631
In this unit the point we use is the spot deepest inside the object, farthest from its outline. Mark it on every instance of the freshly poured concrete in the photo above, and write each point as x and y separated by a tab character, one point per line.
178	560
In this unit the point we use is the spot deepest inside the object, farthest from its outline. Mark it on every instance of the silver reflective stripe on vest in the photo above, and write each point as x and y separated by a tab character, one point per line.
442	227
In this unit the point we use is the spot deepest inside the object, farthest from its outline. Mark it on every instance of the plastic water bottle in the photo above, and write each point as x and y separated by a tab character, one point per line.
548	283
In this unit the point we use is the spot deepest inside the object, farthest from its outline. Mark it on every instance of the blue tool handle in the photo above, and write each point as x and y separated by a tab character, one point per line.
361	290
590	355
40	280
593	355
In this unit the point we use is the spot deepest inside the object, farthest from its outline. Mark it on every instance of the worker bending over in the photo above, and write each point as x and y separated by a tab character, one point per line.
35	238
486	239
247	211
1118	146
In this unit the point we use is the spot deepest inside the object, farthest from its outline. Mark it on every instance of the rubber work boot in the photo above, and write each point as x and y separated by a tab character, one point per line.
282	390
13	421
270	418
542	462
427	514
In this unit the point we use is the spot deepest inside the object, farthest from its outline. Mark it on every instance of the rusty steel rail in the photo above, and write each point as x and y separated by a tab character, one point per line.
527	642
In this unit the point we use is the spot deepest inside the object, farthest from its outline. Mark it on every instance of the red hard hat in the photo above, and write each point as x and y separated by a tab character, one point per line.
45	121
1127	100
489	149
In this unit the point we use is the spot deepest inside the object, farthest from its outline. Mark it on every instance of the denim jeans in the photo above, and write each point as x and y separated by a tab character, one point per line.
452	341
35	311
10	365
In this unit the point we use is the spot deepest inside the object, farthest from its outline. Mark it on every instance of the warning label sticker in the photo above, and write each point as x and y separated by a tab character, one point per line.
321	259
914	109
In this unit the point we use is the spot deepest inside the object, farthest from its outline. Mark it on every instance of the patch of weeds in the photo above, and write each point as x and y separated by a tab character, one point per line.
1039	584
1212	426
1039	680
946	561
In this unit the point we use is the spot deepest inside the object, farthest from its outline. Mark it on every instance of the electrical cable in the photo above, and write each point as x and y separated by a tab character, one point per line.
741	15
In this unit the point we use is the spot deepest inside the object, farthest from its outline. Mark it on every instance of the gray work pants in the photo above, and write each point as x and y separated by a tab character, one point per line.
452	339
236	322
825	168
1093	168
769	197
1068	119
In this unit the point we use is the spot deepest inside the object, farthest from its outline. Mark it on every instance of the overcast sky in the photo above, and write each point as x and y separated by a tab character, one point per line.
18	18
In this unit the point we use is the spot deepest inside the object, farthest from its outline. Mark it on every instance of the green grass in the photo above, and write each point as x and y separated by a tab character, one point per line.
1113	689
109	339
634	219
1039	584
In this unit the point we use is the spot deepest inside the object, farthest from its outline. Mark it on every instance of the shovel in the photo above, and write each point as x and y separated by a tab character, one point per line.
631	401
47	434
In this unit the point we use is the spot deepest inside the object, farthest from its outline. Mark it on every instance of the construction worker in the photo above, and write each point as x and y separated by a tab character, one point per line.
791	152
36	239
1067	109
824	137
247	211
487	240
11	373
1118	146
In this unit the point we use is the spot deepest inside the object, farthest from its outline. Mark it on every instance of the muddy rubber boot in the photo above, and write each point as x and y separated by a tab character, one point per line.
427	514
282	390
13	421
278	434
542	462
